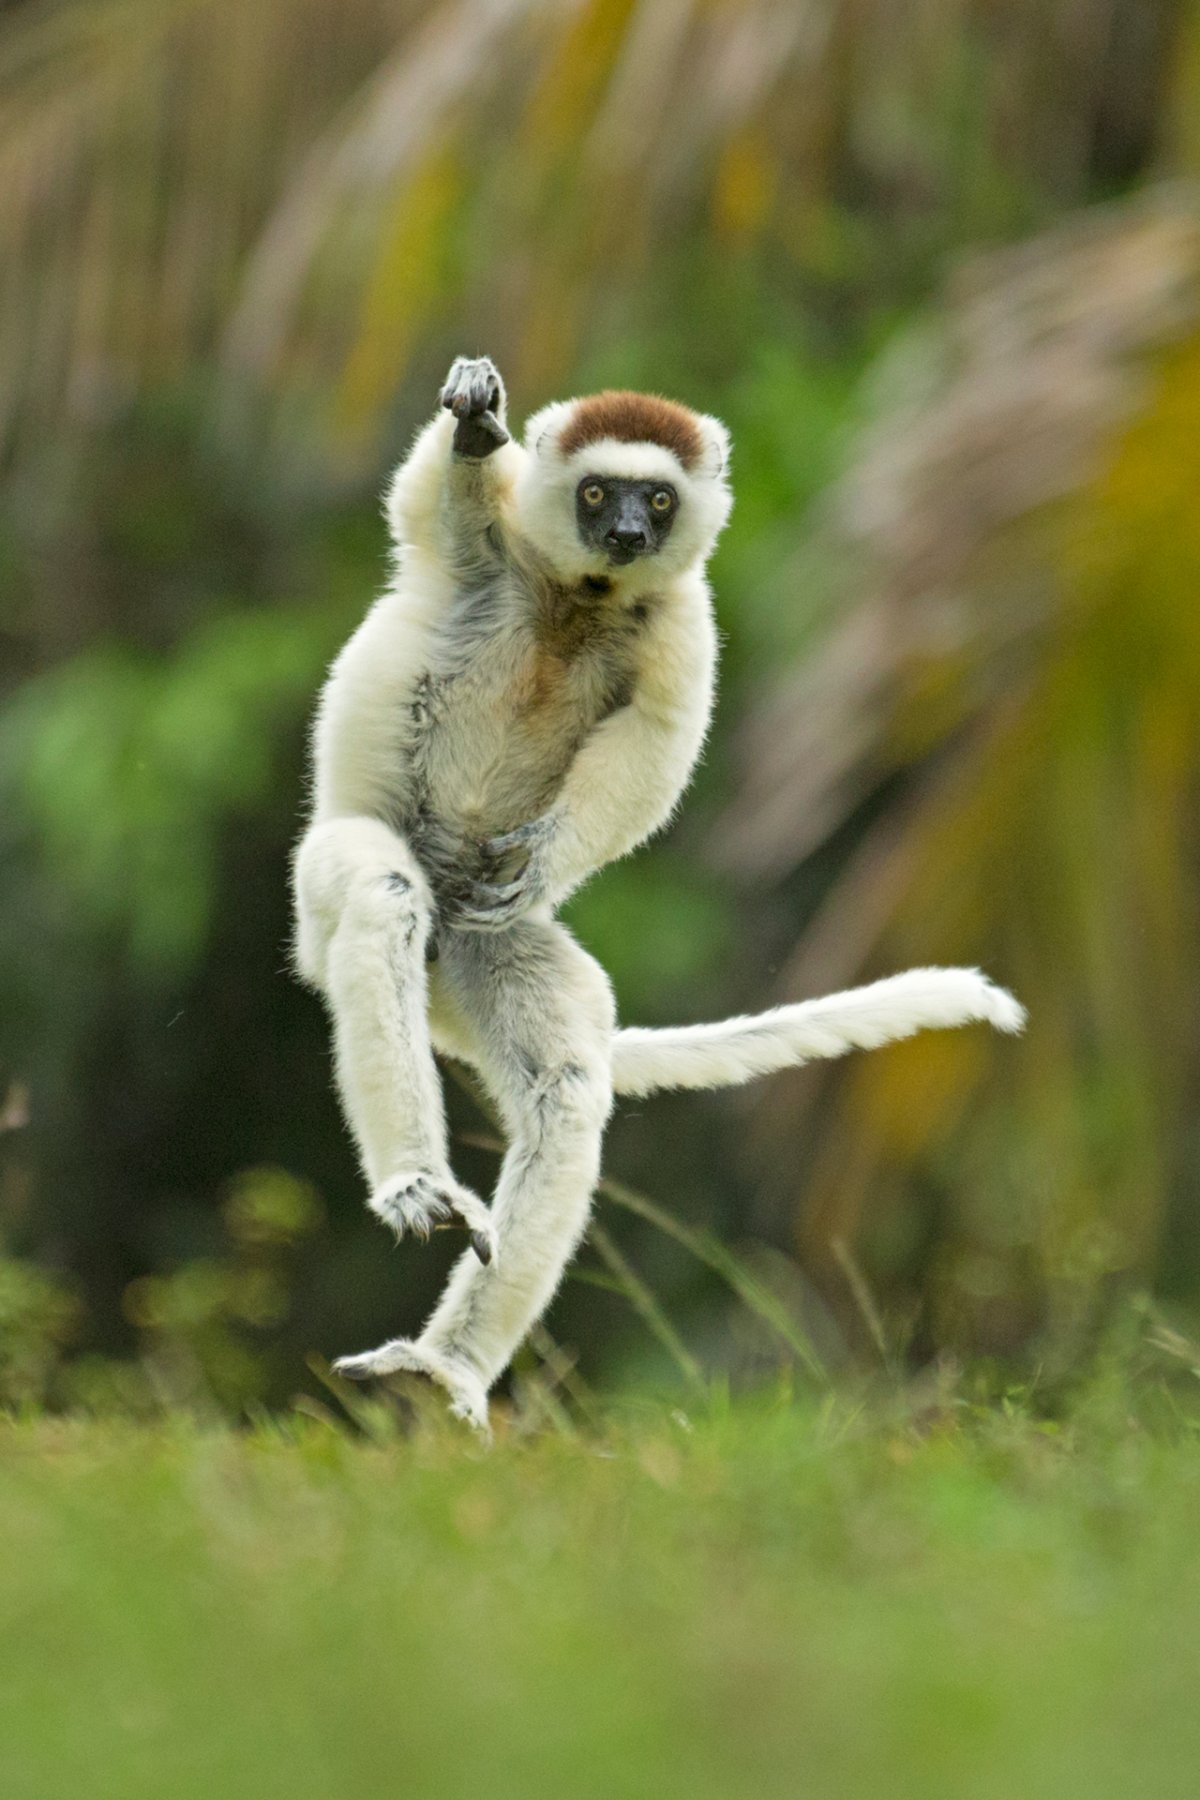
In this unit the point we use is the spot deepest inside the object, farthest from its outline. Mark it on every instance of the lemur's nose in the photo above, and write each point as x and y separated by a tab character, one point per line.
627	538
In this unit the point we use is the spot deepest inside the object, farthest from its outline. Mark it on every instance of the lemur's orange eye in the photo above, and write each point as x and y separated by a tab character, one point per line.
663	500
593	493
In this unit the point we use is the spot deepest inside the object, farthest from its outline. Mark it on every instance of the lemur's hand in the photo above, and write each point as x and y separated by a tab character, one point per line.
473	386
474	393
525	844
513	878
493	906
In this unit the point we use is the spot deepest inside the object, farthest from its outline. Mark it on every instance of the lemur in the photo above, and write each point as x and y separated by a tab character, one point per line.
524	704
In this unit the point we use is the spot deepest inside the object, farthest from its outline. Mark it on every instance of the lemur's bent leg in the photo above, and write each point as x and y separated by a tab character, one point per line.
365	913
541	1017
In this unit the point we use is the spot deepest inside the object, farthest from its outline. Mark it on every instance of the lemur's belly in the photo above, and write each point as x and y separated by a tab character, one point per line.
499	739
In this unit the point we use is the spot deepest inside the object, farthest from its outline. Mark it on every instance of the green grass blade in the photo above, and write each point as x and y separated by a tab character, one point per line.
710	1251
645	1305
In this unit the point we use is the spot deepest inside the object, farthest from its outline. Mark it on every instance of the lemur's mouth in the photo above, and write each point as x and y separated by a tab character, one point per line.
620	557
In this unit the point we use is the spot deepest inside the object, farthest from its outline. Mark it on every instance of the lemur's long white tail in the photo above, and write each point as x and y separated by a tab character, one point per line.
736	1050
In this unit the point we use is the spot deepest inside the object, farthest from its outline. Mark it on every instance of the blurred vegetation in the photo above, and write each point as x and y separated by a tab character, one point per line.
936	1601
938	267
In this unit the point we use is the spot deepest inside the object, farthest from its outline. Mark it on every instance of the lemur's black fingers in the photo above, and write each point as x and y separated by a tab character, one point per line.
511	874
500	867
525	837
477	434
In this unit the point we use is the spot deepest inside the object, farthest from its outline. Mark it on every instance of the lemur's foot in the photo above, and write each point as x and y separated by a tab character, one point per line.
418	1201
468	1397
474	393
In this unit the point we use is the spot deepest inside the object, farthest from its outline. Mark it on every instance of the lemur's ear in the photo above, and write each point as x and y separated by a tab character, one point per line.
544	428
717	446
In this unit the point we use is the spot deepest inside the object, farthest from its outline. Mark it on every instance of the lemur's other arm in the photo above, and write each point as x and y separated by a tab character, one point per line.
623	785
630	772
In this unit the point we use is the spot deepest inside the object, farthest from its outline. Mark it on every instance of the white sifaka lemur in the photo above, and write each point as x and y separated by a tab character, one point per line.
523	704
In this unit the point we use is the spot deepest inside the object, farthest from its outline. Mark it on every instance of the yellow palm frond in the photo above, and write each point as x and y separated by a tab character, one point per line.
1015	687
200	183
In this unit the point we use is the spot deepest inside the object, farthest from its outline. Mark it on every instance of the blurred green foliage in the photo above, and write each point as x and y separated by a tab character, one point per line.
238	249
128	767
941	1601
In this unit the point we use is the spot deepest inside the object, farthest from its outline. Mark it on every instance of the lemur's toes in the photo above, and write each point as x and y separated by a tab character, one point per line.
419	1203
424	1220
398	1356
356	1368
412	1202
472	1409
465	1391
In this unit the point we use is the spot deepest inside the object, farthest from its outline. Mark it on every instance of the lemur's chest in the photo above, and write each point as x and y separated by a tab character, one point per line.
511	693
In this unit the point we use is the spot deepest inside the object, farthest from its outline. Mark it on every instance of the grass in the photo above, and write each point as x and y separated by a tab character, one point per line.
768	1598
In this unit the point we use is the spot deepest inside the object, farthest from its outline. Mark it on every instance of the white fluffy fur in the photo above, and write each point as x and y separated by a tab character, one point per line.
452	704
736	1050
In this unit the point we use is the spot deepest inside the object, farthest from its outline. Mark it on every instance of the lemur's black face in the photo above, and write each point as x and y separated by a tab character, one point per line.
624	519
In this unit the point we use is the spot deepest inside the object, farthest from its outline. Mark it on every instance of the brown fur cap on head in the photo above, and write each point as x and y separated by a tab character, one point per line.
634	419
632	436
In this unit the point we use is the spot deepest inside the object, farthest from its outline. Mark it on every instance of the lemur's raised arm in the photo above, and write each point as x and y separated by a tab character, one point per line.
524	704
458	478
